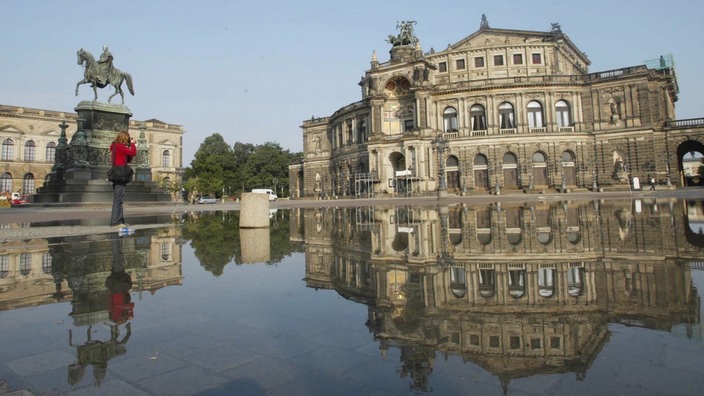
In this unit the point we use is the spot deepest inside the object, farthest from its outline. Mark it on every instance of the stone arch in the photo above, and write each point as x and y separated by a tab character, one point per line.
452	173
690	154
567	163
509	166
480	166
539	172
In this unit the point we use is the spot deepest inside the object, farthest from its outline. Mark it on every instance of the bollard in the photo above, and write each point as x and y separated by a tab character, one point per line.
254	211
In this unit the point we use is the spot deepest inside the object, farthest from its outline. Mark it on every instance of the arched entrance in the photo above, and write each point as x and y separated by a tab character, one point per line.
481	173
510	168
452	173
568	171
689	160
399	174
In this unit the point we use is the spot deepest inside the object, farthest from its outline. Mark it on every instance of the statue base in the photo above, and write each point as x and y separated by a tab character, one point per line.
79	174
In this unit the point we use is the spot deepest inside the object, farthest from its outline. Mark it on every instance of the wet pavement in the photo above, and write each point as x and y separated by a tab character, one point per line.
359	297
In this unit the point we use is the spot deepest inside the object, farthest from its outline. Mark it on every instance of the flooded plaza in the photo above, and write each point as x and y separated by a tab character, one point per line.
519	298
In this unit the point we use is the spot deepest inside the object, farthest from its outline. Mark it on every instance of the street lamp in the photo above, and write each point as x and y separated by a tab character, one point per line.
440	143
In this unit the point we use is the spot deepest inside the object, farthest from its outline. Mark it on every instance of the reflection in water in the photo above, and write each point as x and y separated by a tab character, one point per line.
517	289
97	353
97	274
218	241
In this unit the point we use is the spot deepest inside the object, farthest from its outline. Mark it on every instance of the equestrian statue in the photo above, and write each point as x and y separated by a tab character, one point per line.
102	73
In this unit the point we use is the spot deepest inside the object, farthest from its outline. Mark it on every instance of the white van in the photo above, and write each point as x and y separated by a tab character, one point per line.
268	191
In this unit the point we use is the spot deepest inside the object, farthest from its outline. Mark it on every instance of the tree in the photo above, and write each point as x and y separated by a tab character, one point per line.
213	165
267	167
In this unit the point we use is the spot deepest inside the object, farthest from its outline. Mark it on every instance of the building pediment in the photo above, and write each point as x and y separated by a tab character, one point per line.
9	129
51	132
167	142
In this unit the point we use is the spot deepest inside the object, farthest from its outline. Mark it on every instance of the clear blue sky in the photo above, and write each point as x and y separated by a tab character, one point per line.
254	70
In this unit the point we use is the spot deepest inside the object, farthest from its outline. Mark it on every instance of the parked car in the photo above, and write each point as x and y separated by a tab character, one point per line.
207	200
18	199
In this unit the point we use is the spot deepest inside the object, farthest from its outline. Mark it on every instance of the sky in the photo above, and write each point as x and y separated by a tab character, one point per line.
253	70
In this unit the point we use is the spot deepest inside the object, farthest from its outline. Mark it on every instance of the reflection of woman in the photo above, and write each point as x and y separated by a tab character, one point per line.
122	149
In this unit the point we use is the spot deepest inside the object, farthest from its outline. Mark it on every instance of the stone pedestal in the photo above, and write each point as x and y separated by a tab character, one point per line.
254	210
79	174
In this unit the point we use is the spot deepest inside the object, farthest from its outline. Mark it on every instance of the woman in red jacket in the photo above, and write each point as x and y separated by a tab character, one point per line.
122	149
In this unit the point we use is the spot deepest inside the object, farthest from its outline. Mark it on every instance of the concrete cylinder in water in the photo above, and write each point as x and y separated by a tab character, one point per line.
254	210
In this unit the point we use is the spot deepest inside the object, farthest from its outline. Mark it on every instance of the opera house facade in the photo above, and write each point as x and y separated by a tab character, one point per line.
499	111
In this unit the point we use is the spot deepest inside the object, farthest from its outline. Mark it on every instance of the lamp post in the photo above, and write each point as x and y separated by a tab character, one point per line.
440	143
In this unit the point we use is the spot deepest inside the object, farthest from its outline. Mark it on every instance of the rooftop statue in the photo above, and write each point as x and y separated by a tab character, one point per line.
405	35
102	73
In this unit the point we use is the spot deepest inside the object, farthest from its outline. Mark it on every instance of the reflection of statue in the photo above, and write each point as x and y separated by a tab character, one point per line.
102	73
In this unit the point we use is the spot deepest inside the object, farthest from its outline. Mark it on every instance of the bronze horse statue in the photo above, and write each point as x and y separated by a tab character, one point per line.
91	76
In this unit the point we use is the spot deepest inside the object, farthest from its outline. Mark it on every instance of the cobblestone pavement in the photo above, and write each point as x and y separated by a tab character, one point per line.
87	219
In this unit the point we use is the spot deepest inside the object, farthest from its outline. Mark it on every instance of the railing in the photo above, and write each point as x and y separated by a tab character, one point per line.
537	130
565	129
479	133
450	135
688	123
511	131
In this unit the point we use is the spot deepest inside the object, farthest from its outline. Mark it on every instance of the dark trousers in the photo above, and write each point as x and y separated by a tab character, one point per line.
118	192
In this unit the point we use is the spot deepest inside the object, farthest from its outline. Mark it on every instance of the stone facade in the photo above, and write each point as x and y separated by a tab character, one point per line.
29	137
499	111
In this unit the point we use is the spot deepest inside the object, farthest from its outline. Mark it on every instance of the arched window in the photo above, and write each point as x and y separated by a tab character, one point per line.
47	263
8	150
535	115
4	266
538	158
30	151
477	116
480	160
458	281
28	183
575	281
449	117
50	152
546	282
25	263
361	131
165	251
487	282
6	182
510	159
517	283
166	158
567	156
562	114
506	116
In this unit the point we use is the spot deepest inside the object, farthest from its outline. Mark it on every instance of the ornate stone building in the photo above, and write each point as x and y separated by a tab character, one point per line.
29	138
499	111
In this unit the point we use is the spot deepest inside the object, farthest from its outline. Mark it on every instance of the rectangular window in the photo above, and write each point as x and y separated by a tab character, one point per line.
442	67
498	60
408	125
459	64
517	59
474	339
479	61
537	59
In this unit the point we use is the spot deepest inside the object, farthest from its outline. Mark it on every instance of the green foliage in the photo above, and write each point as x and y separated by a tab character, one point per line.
217	167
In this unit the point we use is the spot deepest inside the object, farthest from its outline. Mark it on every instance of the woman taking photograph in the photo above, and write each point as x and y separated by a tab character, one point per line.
122	150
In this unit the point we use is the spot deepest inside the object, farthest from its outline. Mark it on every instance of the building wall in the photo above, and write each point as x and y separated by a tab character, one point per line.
20	126
566	129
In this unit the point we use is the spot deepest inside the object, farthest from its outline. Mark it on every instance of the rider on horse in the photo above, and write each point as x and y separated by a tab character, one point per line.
104	66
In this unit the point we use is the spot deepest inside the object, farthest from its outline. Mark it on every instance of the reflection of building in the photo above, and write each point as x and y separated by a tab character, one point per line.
519	289
98	274
33	273
29	138
501	110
